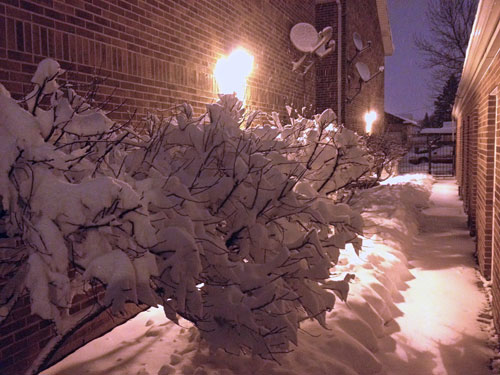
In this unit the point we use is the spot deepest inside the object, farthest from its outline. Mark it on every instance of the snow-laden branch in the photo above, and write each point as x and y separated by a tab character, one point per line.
223	221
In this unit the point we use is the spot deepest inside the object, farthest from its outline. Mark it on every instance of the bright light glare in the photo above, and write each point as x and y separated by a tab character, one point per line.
370	118
231	72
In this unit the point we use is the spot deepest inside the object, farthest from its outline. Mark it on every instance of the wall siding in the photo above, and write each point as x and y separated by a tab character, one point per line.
479	185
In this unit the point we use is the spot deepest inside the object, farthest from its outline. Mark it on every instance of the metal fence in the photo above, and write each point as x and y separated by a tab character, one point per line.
433	154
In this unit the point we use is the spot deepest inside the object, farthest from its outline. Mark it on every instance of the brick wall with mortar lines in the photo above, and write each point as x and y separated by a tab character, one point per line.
155	54
496	217
484	178
466	167
460	156
470	167
478	128
491	82
362	17
23	336
326	69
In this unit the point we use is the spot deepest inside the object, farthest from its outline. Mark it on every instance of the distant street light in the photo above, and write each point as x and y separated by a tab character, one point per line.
370	118
231	73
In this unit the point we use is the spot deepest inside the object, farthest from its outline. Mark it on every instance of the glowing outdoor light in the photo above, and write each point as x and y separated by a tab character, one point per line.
370	118
231	72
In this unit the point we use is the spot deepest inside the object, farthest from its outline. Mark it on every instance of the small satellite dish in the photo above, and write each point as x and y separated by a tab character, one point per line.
364	77
308	41
363	71
360	46
358	42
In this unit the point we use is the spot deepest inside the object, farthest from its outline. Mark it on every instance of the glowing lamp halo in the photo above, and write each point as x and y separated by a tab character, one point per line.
231	72
370	118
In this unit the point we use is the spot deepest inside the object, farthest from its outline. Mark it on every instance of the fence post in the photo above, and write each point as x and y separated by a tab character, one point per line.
429	156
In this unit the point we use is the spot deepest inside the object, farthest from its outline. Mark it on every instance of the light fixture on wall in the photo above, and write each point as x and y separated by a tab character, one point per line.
370	118
231	72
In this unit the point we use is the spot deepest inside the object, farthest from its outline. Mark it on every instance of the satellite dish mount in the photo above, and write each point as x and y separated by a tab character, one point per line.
364	77
360	46
311	43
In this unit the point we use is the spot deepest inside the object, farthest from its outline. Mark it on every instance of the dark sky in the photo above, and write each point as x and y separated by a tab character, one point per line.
407	84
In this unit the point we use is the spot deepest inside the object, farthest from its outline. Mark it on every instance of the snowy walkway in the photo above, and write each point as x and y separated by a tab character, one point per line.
438	330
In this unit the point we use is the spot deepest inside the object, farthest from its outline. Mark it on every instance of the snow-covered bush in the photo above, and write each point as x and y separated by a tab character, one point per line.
227	224
386	152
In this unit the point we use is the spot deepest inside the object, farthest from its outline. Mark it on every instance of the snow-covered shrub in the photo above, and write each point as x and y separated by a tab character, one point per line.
386	152
331	157
246	208
228	225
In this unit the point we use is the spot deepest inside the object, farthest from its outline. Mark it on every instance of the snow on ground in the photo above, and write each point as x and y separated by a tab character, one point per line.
438	331
412	309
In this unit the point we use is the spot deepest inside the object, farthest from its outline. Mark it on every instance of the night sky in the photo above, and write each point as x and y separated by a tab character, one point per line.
407	84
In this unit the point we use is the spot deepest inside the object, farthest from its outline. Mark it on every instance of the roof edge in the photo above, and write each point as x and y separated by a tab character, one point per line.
410	121
484	44
385	27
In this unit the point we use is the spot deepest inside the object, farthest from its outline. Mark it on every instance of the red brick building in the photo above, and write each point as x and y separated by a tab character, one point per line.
156	54
476	111
370	20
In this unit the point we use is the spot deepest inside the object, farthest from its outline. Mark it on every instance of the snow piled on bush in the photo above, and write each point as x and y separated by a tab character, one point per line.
349	343
229	224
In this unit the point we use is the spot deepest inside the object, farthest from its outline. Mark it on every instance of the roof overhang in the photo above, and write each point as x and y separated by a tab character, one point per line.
405	120
385	27
443	130
484	44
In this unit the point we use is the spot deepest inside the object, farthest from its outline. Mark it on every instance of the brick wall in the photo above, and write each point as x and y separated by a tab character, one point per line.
495	271
484	178
467	164
360	16
326	69
156	53
459	164
23	336
478	167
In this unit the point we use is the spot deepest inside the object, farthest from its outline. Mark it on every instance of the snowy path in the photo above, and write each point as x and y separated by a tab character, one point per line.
438	331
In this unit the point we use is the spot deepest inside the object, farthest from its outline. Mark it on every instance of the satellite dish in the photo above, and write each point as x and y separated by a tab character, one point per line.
363	71
308	41
304	37
358	42
364	77
360	46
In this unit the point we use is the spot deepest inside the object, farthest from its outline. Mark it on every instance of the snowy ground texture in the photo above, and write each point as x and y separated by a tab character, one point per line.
415	306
